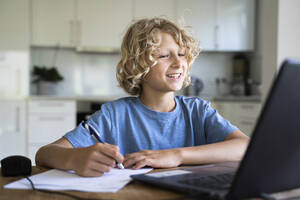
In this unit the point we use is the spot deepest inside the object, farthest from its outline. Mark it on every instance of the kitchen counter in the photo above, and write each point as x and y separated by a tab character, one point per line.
254	98
105	98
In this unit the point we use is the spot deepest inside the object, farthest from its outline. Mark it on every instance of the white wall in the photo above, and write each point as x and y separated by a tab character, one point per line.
209	66
269	28
94	74
288	29
280	36
84	74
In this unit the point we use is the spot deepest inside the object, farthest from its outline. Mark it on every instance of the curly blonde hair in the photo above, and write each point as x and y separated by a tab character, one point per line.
139	47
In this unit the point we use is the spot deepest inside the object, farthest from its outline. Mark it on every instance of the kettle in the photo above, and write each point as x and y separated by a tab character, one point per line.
194	88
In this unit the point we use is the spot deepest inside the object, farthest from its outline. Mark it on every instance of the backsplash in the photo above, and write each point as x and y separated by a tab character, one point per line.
93	74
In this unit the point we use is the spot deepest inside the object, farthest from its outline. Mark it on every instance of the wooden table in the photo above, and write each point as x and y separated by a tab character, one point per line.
132	191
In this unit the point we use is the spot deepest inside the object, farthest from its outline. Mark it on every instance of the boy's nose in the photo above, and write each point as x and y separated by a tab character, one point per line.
177	61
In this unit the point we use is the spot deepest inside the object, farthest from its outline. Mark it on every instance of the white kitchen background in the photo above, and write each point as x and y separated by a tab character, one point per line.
93	74
36	27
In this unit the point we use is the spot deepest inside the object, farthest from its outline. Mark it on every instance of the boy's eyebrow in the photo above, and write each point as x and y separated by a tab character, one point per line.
168	49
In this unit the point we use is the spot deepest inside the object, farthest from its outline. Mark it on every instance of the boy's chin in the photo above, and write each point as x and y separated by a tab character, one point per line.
176	89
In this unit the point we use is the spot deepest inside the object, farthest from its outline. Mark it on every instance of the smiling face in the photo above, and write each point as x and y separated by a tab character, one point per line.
171	68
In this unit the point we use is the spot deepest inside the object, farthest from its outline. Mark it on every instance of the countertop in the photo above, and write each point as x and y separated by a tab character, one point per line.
254	98
104	98
101	98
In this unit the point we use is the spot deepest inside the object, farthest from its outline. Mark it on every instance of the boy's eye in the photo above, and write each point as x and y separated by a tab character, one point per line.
181	54
163	56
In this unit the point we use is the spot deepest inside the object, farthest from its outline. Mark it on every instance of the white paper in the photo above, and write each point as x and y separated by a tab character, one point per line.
55	179
169	173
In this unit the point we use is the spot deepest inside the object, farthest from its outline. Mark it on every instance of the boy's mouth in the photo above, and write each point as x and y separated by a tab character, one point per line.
174	75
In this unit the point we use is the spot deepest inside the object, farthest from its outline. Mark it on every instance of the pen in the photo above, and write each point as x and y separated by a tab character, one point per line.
93	132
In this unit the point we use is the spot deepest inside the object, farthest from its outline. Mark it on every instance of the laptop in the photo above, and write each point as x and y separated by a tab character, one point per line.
271	162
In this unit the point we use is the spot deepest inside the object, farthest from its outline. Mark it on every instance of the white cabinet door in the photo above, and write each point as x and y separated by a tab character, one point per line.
53	23
14	47
14	76
227	110
235	25
48	120
12	128
14	25
154	8
241	114
220	25
102	23
201	16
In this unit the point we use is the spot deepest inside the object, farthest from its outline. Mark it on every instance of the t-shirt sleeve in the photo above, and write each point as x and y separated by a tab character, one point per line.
216	127
79	137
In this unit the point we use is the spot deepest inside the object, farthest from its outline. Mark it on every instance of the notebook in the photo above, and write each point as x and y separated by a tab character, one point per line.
272	160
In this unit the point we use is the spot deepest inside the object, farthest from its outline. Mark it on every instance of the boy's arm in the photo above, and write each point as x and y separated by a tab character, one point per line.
87	161
231	149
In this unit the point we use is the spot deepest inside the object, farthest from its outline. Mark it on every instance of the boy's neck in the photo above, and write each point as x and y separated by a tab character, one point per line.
159	102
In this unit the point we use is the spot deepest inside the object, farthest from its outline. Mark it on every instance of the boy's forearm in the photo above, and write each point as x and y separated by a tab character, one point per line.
55	156
229	150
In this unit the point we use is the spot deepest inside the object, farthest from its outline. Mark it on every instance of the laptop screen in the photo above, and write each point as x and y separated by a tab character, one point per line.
272	160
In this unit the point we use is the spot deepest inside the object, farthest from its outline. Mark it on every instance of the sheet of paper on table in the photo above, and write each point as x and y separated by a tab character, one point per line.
55	179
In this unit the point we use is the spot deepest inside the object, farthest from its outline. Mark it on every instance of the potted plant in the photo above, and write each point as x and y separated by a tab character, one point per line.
46	79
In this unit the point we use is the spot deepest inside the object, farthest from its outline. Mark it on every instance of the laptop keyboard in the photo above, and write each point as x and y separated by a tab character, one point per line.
217	182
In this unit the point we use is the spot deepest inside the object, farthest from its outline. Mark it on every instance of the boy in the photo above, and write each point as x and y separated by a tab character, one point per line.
153	128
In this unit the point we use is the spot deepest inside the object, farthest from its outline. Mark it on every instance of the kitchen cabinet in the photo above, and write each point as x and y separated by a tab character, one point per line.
12	128
220	25
154	8
54	23
241	114
14	45
102	23
235	25
98	25
201	16
14	74
48	120
14	25
88	25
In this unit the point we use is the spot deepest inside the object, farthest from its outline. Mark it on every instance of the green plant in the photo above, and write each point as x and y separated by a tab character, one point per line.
46	74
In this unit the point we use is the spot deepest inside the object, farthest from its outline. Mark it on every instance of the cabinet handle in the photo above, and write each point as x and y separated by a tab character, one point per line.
51	118
18	121
247	106
78	32
216	36
53	104
72	32
247	123
18	82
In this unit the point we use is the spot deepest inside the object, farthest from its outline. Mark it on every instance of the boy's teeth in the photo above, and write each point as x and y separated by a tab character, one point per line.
173	75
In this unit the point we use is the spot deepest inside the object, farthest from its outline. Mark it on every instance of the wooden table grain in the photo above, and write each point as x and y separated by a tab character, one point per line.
132	191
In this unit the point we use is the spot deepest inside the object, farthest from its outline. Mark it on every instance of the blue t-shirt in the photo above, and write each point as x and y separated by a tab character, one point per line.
132	126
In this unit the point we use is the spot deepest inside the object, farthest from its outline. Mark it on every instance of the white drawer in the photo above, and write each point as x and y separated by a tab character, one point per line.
248	110
52	106
46	128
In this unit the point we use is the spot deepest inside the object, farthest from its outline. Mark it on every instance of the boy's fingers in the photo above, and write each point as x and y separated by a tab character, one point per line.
142	163
99	167
102	158
133	160
111	151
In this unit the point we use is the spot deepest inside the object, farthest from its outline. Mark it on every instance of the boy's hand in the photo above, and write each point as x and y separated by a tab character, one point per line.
96	159
153	158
